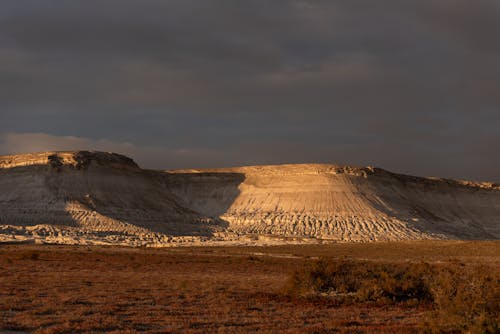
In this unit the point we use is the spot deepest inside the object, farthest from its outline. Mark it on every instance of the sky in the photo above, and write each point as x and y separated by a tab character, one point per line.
409	86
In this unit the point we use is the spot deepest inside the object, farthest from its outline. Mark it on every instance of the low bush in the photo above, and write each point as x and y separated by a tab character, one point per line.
31	255
463	298
466	299
363	281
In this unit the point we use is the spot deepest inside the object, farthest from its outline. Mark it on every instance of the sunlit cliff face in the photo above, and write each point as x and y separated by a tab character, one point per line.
96	197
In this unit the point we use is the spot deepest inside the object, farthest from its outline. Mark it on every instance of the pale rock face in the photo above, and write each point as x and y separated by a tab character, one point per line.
105	198
100	194
341	203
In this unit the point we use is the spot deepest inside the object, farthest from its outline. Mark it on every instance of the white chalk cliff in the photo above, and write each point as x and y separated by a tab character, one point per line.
95	197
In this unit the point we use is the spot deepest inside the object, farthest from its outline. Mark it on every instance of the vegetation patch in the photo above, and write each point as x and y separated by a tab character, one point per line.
397	288
464	298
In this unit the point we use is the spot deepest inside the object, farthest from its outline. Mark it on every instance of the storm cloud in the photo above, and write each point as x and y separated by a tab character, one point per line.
410	86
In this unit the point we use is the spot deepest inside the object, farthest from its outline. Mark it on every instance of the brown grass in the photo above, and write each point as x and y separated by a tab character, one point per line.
464	297
363	281
62	289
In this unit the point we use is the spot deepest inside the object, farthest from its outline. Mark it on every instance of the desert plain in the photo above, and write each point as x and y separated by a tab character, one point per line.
237	289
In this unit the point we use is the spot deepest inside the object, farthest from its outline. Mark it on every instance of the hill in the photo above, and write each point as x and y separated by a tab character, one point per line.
96	197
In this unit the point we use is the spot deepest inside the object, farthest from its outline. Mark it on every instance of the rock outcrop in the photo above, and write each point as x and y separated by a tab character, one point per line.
96	197
92	195
341	203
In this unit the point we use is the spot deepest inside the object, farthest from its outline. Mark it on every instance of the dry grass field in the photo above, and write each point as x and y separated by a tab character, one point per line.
68	289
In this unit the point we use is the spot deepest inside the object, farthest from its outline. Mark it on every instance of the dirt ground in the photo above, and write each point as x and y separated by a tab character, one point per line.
57	289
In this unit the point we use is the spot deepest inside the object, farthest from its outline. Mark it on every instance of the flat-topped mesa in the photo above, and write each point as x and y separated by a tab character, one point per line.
106	195
72	159
339	202
284	169
102	195
316	169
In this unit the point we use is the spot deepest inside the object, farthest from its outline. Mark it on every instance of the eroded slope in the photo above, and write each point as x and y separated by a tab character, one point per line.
91	194
96	197
341	203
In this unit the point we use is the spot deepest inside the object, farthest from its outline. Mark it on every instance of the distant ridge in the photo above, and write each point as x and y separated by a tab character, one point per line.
87	197
77	159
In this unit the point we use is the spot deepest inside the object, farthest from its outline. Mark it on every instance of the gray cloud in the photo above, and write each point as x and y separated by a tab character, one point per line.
410	86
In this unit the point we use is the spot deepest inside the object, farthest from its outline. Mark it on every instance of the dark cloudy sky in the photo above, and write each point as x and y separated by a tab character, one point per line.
410	86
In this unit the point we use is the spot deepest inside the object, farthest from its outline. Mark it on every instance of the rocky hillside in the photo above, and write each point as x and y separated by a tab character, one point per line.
341	203
96	197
